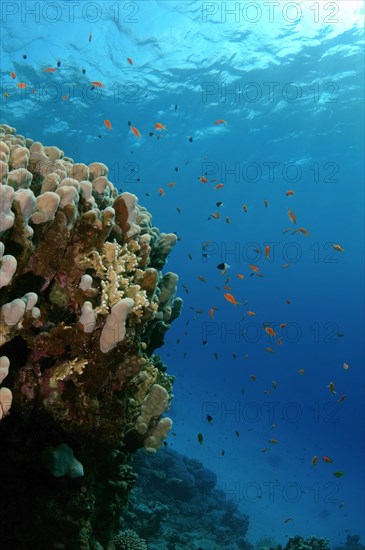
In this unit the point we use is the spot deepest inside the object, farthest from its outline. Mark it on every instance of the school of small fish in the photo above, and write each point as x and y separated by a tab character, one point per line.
225	294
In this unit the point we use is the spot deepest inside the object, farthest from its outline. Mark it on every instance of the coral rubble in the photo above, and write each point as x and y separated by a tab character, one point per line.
83	307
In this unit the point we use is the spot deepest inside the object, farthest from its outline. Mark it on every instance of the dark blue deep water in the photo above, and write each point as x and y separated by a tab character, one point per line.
286	81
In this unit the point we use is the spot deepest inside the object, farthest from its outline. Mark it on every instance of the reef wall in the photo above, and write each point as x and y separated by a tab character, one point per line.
83	307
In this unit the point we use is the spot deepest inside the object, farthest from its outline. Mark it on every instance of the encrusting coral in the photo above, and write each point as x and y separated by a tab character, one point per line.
83	307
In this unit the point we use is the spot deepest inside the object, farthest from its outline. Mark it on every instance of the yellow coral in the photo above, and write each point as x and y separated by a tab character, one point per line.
117	267
66	369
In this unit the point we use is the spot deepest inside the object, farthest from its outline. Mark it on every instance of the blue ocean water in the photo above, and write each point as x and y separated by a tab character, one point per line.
285	80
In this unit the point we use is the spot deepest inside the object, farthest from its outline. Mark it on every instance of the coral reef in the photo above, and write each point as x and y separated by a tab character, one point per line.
83	307
299	543
176	505
129	540
352	543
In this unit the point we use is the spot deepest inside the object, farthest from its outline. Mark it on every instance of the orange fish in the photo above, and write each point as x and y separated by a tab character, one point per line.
251	313
327	459
280	341
338	248
314	460
211	312
201	279
270	331
13	75
244	208
171	184
49	70
202	179
97	84
270	350
289	193
216	216
21	85
240	276
292	216
159	126
108	124
282	325
130	60
218	186
220	121
161	192
135	131
64	97
226	287
267	252
230	298
304	231
254	268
